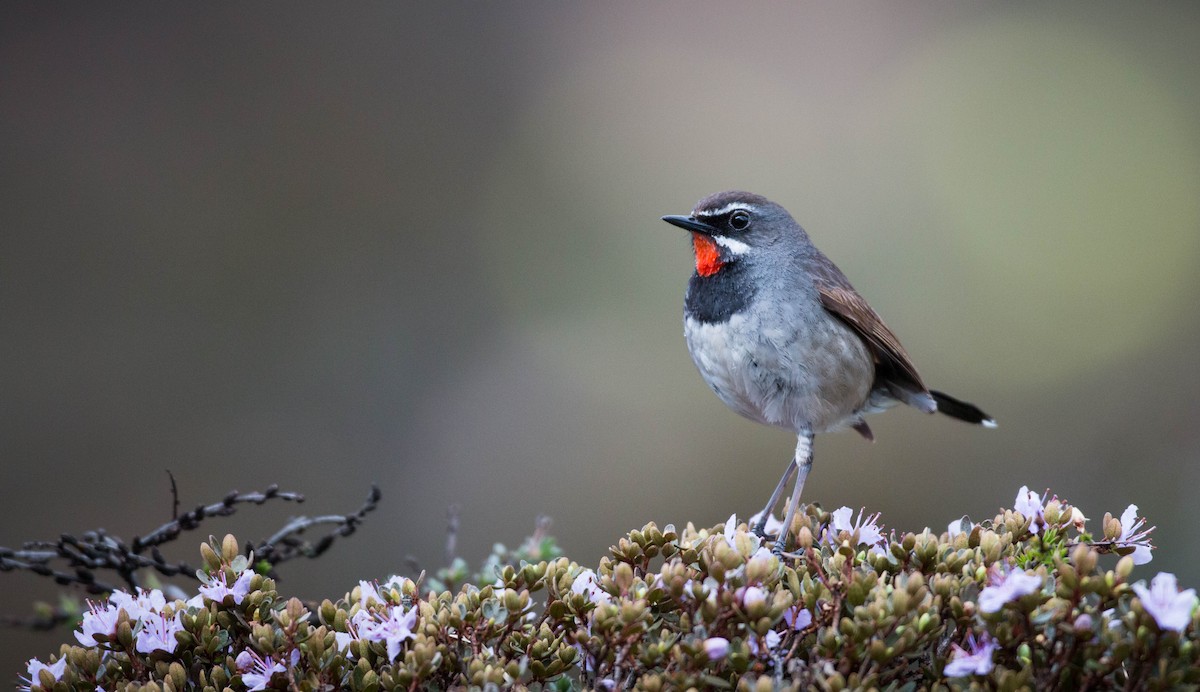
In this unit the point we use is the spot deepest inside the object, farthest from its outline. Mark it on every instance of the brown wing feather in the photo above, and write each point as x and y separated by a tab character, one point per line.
851	308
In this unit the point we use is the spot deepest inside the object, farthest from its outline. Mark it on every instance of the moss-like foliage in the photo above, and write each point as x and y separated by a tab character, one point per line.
1015	602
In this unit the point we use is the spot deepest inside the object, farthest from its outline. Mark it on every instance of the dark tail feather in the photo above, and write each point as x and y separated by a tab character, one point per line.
962	410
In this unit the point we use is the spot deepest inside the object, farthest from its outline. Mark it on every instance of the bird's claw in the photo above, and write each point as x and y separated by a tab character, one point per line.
760	530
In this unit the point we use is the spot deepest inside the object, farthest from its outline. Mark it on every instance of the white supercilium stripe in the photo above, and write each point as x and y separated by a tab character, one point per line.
726	209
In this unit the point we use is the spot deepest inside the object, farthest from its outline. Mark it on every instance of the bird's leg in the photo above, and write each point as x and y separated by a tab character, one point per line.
803	463
760	526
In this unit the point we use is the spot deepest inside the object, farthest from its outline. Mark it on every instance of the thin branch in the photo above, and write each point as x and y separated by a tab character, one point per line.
287	544
174	496
76	559
191	520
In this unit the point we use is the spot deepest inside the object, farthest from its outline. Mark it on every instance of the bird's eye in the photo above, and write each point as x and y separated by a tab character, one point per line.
739	220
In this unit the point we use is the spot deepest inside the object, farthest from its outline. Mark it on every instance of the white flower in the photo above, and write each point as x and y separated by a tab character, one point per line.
342	639
98	621
158	634
217	589
865	528
709	586
368	593
138	607
258	671
1133	535
1078	519
397	583
1031	506
760	553
1170	607
395	628
744	542
963	525
35	667
587	584
101	620
772	527
731	530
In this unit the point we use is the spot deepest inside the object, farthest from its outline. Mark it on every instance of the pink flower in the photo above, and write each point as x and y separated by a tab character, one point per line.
770	642
716	648
797	617
1170	607
1008	588
976	659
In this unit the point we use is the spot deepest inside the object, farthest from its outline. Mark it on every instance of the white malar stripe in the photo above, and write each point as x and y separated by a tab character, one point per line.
737	247
726	209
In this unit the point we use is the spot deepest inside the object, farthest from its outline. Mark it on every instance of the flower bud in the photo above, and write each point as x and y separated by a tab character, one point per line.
229	547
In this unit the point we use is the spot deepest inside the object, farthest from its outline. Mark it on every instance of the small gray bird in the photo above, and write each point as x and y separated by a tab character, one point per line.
782	337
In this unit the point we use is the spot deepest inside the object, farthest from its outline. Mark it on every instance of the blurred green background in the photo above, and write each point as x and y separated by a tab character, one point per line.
419	245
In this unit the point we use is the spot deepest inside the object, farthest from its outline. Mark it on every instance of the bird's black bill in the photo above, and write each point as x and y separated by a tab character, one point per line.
690	224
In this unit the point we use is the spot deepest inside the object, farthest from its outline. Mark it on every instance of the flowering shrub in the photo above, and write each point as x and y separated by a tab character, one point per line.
1018	601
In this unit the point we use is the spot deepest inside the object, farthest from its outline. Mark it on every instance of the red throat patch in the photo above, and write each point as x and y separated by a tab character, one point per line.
708	255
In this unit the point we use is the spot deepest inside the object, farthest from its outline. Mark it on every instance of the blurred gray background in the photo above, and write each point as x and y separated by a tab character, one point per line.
419	246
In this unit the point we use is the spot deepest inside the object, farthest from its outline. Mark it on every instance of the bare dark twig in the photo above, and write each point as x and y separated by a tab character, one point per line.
191	520
75	560
287	544
174	496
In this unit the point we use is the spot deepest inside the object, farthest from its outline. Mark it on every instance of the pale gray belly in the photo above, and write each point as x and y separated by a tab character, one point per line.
798	379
